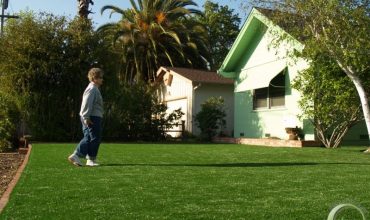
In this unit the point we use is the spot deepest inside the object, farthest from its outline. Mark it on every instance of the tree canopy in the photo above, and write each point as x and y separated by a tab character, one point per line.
222	26
44	68
328	100
156	33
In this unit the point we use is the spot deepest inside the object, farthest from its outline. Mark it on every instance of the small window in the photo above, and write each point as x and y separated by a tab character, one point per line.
272	96
260	98
277	91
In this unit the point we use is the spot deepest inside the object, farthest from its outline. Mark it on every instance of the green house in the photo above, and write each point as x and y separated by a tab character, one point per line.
264	102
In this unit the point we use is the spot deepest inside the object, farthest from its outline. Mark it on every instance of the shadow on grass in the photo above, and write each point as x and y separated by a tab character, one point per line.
215	165
231	164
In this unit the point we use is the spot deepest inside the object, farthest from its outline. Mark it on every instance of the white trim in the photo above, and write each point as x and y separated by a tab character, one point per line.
175	98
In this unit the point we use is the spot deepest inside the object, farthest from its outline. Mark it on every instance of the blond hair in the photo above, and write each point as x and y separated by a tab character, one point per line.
95	73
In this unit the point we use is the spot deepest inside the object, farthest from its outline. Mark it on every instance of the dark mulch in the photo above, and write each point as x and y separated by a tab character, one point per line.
9	163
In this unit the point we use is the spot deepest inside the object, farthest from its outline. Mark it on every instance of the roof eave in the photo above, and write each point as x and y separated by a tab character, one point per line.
236	43
231	75
227	64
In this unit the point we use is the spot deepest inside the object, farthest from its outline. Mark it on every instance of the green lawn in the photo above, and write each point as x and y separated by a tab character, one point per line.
191	181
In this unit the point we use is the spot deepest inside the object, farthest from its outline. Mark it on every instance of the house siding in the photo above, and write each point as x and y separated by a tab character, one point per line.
357	135
180	89
263	123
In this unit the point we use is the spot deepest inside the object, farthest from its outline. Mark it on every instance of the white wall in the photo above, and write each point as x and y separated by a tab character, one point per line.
270	122
179	93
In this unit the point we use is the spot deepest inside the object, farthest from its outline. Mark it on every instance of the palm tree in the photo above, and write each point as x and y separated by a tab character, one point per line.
156	33
83	8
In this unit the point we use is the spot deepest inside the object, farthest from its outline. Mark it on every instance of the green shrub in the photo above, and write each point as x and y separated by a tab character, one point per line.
211	117
9	118
133	113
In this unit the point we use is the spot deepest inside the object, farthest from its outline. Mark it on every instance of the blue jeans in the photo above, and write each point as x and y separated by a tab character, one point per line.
89	145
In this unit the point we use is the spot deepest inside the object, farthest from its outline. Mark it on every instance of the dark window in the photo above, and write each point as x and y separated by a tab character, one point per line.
272	96
260	98
277	91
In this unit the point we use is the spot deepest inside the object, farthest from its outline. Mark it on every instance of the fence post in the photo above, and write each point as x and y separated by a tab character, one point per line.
182	128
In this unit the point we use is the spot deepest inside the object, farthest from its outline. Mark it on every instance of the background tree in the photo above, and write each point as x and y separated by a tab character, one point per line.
44	72
222	26
328	100
9	119
339	28
44	68
151	34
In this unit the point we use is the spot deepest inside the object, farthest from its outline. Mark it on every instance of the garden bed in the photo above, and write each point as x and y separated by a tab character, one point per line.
9	164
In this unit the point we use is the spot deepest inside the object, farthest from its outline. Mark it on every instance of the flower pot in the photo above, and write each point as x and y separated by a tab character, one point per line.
293	133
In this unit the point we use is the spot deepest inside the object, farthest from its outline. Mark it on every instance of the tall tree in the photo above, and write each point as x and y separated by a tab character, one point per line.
152	34
44	68
83	8
223	27
339	28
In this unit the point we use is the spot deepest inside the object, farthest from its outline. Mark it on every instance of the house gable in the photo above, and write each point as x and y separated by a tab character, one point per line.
256	27
173	86
257	57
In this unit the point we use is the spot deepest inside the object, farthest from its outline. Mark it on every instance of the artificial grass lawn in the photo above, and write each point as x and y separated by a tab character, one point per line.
191	181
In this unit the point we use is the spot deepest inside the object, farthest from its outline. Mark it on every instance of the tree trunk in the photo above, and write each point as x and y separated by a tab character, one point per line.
332	139
83	8
363	98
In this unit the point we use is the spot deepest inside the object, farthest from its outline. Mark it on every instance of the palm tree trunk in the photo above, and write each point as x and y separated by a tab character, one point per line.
83	8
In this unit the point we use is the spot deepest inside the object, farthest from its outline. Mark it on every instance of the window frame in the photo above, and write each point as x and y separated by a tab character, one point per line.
269	96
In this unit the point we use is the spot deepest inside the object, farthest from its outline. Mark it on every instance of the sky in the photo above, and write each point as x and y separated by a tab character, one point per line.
69	8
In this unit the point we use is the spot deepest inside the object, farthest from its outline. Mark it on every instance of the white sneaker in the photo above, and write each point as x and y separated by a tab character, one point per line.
91	163
75	160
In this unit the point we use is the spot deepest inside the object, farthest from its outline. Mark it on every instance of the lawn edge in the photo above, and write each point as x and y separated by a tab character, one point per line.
5	197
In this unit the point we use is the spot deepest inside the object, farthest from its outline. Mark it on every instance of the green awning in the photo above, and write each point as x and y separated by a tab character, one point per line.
259	76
